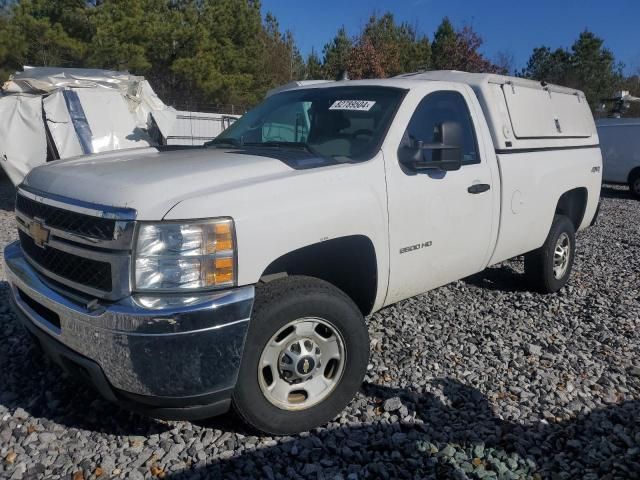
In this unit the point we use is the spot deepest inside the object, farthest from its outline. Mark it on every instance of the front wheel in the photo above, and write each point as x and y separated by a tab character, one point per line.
305	357
548	268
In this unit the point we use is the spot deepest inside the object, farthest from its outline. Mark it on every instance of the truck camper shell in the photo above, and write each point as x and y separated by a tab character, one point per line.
525	114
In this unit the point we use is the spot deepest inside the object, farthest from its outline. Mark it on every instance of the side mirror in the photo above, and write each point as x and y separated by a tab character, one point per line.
446	150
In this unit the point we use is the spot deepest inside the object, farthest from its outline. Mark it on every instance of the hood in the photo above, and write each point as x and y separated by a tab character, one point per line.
153	181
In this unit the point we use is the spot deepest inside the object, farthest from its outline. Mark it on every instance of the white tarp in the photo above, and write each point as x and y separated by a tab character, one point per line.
112	125
89	111
150	104
23	143
48	79
60	126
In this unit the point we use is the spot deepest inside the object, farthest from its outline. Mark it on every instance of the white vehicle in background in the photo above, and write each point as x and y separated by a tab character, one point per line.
620	144
239	274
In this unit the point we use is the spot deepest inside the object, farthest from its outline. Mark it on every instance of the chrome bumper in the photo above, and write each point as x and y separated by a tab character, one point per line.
172	352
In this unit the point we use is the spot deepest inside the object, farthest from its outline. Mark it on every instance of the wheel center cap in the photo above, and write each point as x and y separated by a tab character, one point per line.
305	365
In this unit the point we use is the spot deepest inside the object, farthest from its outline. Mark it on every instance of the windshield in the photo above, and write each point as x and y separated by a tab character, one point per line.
341	123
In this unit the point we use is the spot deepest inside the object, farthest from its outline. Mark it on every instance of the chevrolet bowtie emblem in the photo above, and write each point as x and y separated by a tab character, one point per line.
39	234
305	366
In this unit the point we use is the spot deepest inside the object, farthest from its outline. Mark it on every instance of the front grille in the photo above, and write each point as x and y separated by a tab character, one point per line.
83	271
79	223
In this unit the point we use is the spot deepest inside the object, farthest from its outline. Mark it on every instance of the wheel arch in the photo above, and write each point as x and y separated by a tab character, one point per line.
348	263
573	204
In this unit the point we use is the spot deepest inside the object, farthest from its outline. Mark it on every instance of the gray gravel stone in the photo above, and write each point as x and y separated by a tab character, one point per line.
392	404
534	349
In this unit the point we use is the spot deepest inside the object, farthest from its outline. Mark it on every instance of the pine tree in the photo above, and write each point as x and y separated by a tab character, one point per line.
336	54
313	68
588	66
593	68
444	42
549	66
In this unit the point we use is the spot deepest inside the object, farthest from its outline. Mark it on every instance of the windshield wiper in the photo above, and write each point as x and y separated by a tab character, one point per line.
234	142
294	145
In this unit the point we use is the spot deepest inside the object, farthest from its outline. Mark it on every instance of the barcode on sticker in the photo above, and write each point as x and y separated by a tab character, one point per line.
362	105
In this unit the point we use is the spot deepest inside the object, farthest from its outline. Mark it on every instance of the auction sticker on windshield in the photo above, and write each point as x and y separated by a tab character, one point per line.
361	105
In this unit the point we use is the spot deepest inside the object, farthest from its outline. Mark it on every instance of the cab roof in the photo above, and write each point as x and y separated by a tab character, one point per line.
408	80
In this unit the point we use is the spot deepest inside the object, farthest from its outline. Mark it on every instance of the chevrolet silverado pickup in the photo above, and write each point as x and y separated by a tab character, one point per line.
183	283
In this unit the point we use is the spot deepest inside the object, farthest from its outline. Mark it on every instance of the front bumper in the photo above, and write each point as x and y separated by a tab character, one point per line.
172	362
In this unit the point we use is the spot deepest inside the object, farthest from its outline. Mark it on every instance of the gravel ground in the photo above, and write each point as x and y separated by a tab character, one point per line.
478	379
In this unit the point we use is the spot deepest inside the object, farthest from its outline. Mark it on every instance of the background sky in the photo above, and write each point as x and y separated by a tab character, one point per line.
513	26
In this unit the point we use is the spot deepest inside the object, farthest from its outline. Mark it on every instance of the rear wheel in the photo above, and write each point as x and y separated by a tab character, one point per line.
305	357
548	269
634	184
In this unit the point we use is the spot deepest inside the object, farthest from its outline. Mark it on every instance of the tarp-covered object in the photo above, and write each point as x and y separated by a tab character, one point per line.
52	113
60	127
48	79
23	142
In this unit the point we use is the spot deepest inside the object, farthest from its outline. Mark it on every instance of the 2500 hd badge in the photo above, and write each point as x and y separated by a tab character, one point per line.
417	246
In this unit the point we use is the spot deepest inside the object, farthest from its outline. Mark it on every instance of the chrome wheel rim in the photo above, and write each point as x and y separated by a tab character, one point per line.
301	364
561	256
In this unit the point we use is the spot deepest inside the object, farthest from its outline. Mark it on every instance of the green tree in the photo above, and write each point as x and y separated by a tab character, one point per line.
444	42
336	54
588	66
593	68
549	66
29	37
227	43
122	35
313	67
459	50
281	59
415	50
71	15
296	62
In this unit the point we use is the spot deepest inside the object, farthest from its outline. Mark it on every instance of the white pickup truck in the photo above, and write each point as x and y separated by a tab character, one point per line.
183	283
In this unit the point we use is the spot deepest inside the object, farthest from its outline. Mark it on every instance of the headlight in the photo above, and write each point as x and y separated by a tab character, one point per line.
185	256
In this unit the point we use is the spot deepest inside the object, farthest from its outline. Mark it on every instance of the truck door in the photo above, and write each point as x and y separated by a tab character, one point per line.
441	224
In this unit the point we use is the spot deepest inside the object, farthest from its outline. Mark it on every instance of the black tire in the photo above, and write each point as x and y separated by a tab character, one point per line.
634	184
278	303
538	265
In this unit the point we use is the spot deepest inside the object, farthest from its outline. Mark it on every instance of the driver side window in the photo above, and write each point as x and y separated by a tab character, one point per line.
435	110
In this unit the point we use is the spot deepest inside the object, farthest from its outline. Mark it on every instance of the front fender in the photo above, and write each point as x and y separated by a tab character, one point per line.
277	216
